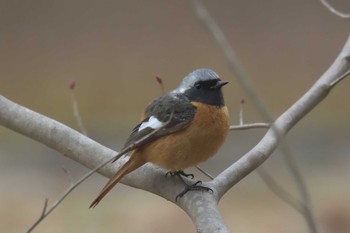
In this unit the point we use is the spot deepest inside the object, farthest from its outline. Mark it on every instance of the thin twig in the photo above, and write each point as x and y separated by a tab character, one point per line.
45	206
71	181
250	126
42	216
160	82
335	11
75	185
238	127
278	190
65	194
75	107
241	120
340	78
306	205
241	126
204	172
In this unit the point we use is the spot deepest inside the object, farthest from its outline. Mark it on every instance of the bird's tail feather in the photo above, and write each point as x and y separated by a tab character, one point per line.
133	163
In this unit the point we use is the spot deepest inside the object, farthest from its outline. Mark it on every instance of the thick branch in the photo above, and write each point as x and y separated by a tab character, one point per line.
53	134
91	154
256	156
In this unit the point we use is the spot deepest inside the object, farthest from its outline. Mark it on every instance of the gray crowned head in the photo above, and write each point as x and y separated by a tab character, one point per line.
204	86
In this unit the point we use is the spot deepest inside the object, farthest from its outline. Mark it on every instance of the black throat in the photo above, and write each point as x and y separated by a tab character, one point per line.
206	96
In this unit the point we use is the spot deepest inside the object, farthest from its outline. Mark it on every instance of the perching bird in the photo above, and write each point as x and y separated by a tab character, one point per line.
179	129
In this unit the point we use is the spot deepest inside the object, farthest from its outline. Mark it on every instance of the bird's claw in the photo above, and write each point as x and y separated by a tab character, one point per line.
179	173
193	187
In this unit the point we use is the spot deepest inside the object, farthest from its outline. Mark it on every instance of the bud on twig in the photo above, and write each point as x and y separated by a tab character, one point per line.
160	82
71	84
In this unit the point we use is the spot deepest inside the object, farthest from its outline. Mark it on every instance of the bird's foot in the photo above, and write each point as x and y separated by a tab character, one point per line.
179	174
193	187
188	187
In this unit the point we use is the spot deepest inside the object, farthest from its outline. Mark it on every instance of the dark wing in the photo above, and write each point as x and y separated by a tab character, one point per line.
165	115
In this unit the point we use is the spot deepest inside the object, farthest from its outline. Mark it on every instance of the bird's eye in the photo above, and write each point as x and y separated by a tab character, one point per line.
198	85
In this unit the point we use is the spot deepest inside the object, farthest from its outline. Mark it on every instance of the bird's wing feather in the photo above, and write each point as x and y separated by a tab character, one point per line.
165	115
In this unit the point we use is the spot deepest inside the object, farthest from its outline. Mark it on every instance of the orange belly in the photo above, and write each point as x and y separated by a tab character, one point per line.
192	145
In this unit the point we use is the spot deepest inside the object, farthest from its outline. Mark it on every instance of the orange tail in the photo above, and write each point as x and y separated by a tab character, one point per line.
133	163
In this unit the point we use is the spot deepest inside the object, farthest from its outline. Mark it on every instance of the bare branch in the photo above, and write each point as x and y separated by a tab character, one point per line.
241	120
335	82
204	172
256	156
278	190
72	185
306	205
42	216
82	179
270	182
249	126
71	181
75	107
45	207
335	11
65	194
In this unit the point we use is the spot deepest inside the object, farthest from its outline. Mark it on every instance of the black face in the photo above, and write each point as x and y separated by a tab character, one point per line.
207	92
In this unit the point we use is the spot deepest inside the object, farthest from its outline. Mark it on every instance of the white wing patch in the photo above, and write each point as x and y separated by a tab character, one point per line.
152	122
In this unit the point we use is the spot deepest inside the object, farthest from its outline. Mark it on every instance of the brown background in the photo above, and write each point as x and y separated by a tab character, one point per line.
114	49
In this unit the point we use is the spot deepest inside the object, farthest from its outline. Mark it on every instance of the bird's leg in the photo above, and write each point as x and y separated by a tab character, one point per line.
190	187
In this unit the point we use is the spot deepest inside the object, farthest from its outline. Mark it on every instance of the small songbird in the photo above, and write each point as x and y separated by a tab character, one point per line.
179	129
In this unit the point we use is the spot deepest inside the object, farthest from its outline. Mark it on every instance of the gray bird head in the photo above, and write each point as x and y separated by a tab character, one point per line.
202	85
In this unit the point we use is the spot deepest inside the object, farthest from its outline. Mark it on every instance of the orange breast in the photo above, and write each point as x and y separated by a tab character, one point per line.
192	145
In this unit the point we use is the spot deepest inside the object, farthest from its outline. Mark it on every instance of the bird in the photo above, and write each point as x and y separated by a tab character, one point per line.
178	130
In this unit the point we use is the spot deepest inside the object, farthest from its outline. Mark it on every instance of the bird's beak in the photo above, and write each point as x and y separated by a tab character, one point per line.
220	84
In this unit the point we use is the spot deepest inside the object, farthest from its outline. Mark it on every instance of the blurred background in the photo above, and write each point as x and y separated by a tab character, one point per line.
113	50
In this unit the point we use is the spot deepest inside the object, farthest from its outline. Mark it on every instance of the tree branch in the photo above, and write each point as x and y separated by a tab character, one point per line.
306	205
250	126
92	154
278	190
200	206
75	108
244	80
42	216
256	156
335	11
